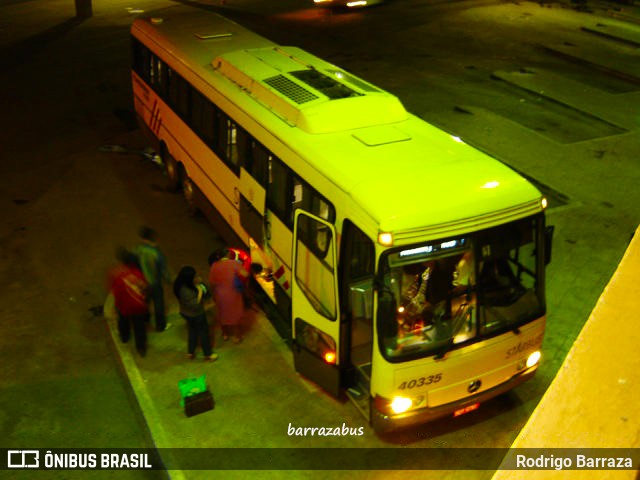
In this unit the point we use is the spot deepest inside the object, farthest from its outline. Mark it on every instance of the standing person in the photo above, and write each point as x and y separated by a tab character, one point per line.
154	266
243	257
227	279
128	287
191	293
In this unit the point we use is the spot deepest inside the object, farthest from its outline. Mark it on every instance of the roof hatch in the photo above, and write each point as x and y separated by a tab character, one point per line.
308	92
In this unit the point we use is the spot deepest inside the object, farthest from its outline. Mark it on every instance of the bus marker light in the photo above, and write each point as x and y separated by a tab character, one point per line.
533	359
401	404
467	409
544	202
385	238
330	357
492	184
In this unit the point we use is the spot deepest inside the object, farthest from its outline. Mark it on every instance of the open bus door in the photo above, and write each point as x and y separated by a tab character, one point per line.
314	289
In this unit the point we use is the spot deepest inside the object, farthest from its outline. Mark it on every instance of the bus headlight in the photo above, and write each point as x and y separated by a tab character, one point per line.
401	404
533	359
398	404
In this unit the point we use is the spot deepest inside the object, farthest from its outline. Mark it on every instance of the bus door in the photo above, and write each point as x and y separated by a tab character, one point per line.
252	206
314	297
356	308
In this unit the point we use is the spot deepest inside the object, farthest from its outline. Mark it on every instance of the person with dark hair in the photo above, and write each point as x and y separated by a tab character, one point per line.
154	267
129	288
217	255
191	294
227	279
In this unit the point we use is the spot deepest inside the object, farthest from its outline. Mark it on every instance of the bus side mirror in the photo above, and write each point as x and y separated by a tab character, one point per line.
548	240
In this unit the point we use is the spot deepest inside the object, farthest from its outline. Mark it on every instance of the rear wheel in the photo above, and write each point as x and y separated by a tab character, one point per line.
171	170
189	192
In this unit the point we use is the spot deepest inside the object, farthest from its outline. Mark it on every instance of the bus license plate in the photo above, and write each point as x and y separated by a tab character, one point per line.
467	409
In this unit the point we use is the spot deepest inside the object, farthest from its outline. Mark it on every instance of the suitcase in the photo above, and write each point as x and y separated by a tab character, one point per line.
198	403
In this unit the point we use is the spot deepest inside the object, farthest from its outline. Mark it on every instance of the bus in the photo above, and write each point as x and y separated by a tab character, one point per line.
409	265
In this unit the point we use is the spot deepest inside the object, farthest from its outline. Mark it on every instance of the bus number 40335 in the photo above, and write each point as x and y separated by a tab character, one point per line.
419	382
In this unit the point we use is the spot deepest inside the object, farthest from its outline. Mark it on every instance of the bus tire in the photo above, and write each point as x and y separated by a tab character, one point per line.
171	170
189	192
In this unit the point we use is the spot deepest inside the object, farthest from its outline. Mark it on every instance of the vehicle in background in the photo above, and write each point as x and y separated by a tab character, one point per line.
346	3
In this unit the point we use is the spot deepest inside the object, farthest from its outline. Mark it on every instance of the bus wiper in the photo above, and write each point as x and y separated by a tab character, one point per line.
504	320
442	351
501	317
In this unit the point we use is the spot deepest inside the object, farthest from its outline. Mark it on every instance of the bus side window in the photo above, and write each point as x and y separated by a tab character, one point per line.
279	193
243	141
197	106
161	77
257	161
208	119
155	72
172	88
232	147
322	209
140	59
225	145
301	196
183	97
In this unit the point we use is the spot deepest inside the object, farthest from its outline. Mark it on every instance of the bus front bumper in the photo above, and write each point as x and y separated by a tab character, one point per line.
382	422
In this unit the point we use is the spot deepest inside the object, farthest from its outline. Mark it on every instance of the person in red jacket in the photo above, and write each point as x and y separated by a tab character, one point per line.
129	289
240	256
228	280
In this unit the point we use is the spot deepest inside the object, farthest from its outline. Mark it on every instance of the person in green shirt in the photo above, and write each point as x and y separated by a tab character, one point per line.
153	264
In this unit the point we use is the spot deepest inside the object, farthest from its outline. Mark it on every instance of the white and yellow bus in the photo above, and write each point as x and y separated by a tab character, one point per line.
409	264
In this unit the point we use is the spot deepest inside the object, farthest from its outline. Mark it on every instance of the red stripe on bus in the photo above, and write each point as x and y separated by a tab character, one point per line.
154	114
279	272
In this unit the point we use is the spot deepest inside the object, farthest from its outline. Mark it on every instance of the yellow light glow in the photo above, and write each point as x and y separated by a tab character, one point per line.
533	359
492	184
359	3
385	238
330	357
544	202
401	404
400	309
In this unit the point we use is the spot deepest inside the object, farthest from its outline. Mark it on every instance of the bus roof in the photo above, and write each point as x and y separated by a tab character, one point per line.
406	174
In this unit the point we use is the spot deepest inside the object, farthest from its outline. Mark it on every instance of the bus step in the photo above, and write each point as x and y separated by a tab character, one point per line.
355	393
360	397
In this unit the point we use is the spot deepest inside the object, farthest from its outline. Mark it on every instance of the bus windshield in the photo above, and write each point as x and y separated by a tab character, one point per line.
441	294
